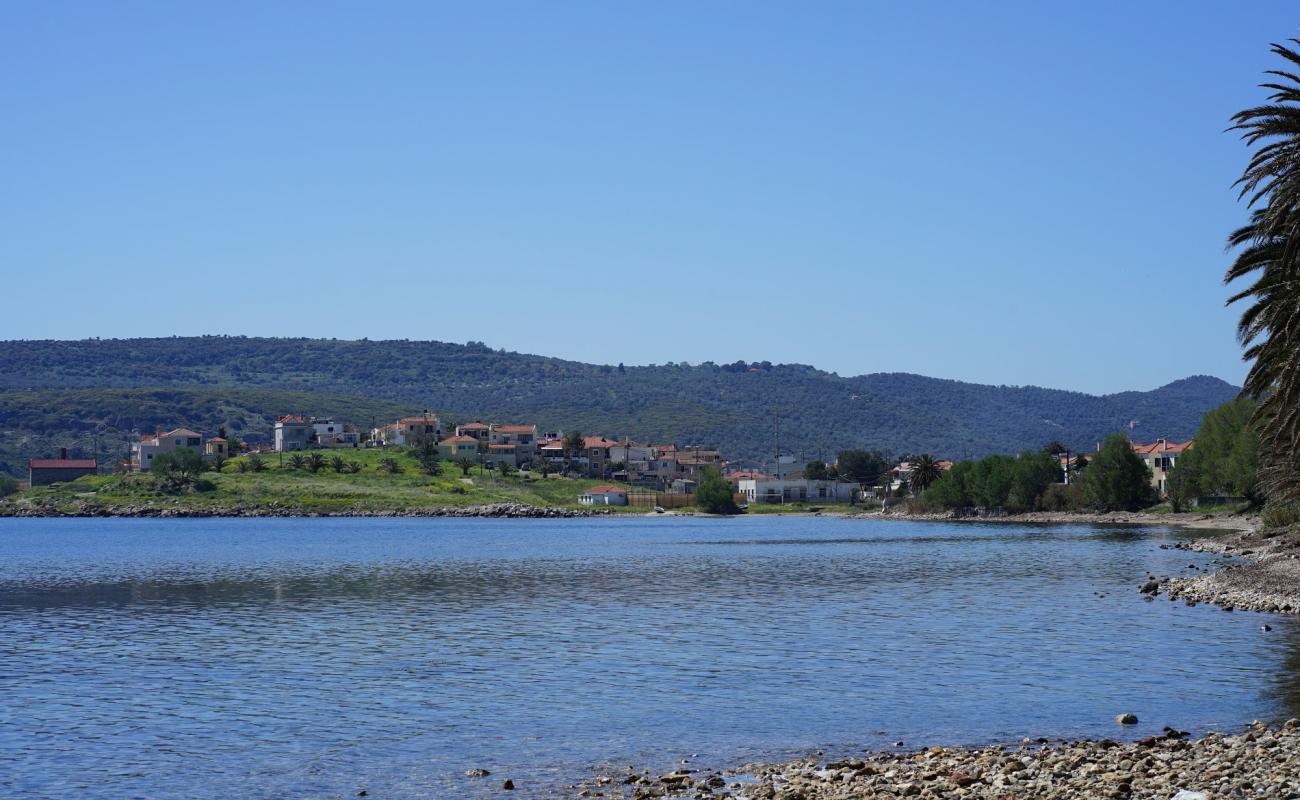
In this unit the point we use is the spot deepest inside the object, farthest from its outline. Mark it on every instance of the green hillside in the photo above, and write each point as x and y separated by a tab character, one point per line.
53	392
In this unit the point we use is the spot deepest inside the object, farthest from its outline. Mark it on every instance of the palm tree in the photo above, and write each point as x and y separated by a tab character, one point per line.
298	461
925	471
315	462
1269	249
338	464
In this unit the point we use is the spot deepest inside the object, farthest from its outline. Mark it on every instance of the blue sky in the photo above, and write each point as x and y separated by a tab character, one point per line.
1018	193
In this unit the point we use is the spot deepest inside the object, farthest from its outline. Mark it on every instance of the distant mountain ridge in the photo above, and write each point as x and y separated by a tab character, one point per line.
741	407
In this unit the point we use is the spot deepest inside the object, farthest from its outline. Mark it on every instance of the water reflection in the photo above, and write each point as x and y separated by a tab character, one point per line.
290	657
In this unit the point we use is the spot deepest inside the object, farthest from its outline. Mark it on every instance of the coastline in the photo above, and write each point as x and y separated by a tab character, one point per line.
1261	761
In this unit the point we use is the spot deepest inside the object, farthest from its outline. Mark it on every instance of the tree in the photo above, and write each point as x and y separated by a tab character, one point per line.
815	471
1268	252
573	446
925	471
861	466
1053	447
297	461
1117	479
315	462
428	457
390	466
545	466
178	470
221	432
713	495
8	486
506	469
1033	473
338	464
218	463
465	465
1224	458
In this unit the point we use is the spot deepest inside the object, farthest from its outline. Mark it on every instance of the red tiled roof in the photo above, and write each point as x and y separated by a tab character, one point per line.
293	418
514	428
181	432
500	446
62	463
216	439
1161	446
597	441
459	439
746	476
473	426
606	490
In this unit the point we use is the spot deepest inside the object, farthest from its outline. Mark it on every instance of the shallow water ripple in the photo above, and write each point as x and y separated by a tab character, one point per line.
301	658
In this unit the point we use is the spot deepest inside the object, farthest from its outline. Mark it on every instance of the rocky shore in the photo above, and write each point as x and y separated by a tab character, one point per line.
1269	581
498	510
1261	762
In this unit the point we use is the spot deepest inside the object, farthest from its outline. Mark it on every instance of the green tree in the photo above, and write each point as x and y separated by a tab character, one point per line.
465	465
861	466
1224	458
428	457
8	486
298	461
315	462
1054	447
925	471
815	471
256	463
574	445
713	494
952	490
1117	479
178	470
218	463
507	469
1268	255
390	466
1033	473
338	464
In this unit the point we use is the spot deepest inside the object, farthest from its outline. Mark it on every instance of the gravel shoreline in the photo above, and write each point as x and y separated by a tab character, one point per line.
1263	761
1269	581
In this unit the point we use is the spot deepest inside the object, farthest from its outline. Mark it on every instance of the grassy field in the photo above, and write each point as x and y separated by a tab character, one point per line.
282	487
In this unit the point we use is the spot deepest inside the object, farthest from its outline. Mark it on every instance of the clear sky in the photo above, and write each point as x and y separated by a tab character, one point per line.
1020	193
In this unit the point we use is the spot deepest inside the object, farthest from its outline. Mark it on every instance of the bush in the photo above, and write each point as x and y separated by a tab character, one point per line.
1059	497
1281	515
8	486
178	470
713	495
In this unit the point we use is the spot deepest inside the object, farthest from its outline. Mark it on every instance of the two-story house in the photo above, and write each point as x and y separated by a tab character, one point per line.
144	451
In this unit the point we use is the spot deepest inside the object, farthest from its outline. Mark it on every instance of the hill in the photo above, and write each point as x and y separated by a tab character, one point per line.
50	389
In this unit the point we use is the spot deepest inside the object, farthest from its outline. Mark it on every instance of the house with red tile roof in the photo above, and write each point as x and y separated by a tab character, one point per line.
45	471
523	438
1160	457
603	496
454	448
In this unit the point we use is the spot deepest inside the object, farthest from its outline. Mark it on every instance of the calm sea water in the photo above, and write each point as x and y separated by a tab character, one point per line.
315	658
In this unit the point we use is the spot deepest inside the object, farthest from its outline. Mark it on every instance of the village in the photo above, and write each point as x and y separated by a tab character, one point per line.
640	473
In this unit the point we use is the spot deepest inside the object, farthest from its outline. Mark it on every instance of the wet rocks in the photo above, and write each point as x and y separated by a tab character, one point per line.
1260	762
477	772
1126	719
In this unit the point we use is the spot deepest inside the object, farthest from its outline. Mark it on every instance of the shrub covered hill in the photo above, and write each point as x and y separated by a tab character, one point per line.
60	393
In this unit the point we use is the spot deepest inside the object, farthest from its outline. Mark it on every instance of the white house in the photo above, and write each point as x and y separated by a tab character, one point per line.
143	451
603	496
799	490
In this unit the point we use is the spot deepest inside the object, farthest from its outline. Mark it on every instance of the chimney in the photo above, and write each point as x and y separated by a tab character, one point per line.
63	453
